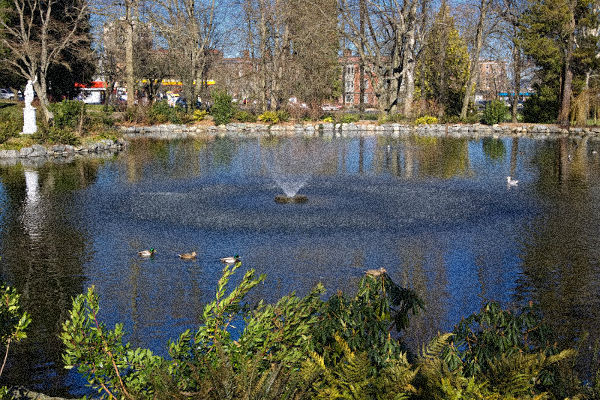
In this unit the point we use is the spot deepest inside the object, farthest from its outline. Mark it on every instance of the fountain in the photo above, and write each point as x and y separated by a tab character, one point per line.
292	163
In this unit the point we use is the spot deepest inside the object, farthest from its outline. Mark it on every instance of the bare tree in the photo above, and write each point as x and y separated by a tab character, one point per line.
38	38
388	47
478	42
188	27
511	11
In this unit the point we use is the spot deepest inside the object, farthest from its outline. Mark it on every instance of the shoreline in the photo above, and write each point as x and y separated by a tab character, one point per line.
36	154
541	131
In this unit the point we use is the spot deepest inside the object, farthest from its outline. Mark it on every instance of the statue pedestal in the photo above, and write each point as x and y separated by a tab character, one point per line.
29	125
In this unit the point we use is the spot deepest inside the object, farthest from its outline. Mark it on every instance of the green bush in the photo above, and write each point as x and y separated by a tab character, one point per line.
542	107
11	122
69	114
390	118
56	135
495	112
13	324
200	115
160	113
223	108
308	348
283	115
349	118
426	120
276	342
245	116
369	117
269	117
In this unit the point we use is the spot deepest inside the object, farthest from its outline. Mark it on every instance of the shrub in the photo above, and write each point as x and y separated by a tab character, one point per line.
426	120
387	118
56	135
69	114
137	114
11	123
494	112
369	117
13	324
328	120
160	113
283	115
269	117
542	107
349	118
276	342
199	115
245	116
223	108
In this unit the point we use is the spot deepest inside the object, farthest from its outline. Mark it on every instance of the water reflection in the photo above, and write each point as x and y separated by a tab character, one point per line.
435	212
43	252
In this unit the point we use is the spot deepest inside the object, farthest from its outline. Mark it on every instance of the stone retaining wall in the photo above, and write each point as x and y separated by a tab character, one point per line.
37	154
458	130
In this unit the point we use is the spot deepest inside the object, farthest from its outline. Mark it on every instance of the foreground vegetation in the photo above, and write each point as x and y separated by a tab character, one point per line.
339	348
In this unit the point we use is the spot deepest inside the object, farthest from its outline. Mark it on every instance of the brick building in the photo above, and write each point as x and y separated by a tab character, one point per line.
351	82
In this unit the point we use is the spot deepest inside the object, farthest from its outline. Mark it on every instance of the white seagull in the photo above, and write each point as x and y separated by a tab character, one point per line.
511	182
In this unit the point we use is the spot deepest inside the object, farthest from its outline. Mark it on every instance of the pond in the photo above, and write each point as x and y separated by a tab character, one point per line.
436	213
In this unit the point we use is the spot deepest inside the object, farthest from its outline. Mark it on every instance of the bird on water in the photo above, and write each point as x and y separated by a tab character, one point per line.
188	256
231	260
147	253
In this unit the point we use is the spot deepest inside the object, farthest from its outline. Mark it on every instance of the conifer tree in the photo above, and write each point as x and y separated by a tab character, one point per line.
561	36
444	64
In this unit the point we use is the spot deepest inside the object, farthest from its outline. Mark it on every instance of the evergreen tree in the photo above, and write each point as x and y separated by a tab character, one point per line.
444	65
561	36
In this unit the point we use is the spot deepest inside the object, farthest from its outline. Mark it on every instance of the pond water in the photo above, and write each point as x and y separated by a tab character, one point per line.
435	212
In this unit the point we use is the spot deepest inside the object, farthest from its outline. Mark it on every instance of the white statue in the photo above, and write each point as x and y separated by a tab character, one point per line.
29	93
29	124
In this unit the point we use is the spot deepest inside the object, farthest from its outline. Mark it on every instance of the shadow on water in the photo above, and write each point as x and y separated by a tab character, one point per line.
435	212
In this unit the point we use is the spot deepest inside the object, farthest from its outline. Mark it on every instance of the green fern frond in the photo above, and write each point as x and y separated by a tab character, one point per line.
434	349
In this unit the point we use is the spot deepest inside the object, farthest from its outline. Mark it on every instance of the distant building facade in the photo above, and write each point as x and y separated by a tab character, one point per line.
351	82
493	79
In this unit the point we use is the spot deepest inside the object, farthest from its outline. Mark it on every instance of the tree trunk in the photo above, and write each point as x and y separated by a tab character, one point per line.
474	70
361	65
409	62
517	61
567	73
129	35
40	88
263	55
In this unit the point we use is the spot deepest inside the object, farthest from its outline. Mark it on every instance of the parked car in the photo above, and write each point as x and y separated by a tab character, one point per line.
330	107
6	94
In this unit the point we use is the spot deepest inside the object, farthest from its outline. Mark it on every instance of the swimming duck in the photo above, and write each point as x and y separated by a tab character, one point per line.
188	256
376	272
230	260
147	253
511	182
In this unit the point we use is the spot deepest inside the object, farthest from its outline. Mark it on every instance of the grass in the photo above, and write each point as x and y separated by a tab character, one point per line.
17	143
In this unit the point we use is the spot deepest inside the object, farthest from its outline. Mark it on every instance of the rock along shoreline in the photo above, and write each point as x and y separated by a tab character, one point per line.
473	131
39	154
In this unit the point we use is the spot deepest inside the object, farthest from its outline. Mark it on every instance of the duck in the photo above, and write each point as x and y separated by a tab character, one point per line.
231	260
147	253
188	256
376	272
511	182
